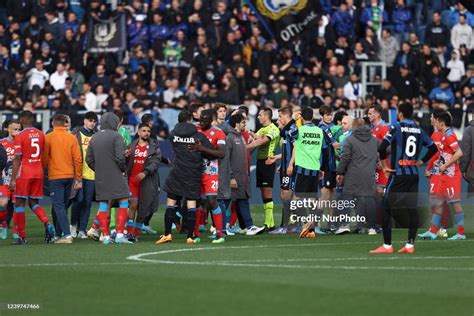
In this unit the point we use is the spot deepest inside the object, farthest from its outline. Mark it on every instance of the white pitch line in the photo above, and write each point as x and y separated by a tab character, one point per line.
355	259
255	264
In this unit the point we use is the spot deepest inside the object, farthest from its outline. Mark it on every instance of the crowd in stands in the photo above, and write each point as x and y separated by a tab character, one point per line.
183	51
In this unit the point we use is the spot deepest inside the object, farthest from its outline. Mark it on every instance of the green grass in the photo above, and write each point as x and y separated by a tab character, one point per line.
259	275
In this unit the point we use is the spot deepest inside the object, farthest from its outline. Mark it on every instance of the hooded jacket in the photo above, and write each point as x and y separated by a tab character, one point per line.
184	179
388	49
105	155
239	169
456	68
358	162
150	185
467	147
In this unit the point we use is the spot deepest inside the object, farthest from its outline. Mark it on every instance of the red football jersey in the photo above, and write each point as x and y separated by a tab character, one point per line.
433	164
216	137
29	143
139	160
379	131
9	146
449	145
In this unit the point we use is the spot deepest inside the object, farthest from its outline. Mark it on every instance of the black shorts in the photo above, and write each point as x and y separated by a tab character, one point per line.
178	198
265	174
402	191
329	180
286	182
306	183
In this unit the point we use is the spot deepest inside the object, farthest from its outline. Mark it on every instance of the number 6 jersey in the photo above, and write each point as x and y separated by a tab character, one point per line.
29	143
406	140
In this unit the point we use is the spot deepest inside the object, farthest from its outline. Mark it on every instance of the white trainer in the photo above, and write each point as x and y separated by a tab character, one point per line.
254	230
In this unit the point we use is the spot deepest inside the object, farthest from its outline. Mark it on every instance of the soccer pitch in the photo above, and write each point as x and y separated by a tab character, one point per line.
257	275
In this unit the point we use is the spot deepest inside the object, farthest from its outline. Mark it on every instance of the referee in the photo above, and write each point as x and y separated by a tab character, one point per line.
267	140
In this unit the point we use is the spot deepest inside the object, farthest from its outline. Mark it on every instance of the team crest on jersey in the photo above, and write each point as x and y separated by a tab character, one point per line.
275	9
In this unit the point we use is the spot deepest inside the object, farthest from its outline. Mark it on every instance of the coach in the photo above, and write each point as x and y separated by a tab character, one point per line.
357	170
467	160
62	157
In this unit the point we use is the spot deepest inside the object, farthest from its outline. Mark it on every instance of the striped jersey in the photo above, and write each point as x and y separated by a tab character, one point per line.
406	140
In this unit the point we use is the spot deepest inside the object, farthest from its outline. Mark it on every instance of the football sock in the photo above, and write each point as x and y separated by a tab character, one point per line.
285	213
15	231
408	245
387	246
459	219
191	219
3	216
122	216
40	213
112	222
217	216
233	214
169	218
387	226
435	222
412	225
445	216
138	229
199	221
268	207
130	226
96	222
102	216
19	221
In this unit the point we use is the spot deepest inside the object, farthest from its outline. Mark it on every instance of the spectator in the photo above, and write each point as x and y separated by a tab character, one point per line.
373	16
58	78
91	99
343	21
455	15
405	84
401	19
461	33
456	69
406	57
437	34
443	93
138	31
37	76
353	89
53	26
389	48
172	92
62	157
100	78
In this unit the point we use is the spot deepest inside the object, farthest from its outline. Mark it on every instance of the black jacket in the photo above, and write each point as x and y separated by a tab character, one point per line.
184	179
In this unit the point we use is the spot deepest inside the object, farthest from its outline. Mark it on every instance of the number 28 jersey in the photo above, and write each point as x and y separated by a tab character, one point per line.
29	143
406	140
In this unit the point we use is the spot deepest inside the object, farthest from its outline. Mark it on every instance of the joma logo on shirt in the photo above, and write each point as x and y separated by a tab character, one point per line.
311	135
187	140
